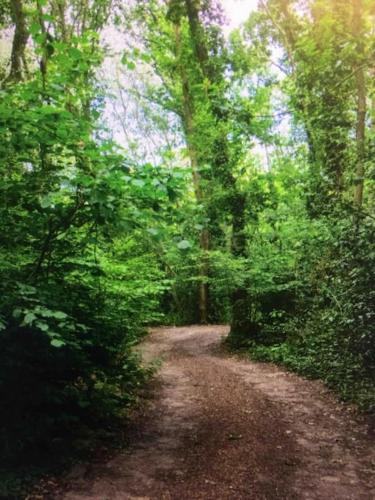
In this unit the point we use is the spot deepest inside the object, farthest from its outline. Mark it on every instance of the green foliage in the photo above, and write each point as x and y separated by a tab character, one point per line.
310	298
284	239
330	333
97	244
79	283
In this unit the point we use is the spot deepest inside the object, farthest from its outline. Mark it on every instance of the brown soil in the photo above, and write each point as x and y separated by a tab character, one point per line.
221	427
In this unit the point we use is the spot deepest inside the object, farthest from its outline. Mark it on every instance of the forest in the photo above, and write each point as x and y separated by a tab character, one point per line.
160	166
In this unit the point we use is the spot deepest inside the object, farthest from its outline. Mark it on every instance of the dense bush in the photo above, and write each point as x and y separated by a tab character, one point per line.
332	332
78	284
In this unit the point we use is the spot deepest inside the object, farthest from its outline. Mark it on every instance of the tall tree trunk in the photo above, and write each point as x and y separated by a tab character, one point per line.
197	37
59	11
360	138
204	270
361	105
19	41
241	324
284	20
222	170
188	125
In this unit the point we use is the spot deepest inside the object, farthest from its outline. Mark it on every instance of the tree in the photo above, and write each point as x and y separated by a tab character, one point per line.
18	58
361	101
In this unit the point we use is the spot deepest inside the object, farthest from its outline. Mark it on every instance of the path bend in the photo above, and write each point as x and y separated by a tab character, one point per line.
221	427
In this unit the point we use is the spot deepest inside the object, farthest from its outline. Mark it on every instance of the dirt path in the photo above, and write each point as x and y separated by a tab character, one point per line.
220	427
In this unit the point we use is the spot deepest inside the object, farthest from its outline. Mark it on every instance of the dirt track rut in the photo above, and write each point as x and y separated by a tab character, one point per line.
221	427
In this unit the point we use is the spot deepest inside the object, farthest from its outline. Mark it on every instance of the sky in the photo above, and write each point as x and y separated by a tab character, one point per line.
238	11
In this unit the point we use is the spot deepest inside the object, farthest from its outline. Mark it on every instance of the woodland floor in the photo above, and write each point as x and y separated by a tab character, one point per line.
221	427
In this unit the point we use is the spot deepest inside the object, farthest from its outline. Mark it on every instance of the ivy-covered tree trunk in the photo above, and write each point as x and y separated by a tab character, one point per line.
321	93
21	35
361	104
241	324
222	167
188	126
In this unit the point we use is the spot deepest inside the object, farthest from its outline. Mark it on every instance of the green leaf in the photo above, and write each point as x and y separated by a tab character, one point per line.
34	28
29	318
146	57
45	202
138	182
184	244
59	315
42	326
57	343
47	17
17	313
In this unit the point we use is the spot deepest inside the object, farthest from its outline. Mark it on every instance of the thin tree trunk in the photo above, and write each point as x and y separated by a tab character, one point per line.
361	106
360	138
59	10
20	38
204	270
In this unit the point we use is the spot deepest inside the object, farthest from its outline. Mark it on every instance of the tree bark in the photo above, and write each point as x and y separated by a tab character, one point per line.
361	106
197	37
19	42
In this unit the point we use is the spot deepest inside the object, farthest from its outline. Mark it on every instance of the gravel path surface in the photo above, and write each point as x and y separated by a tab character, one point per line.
221	427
